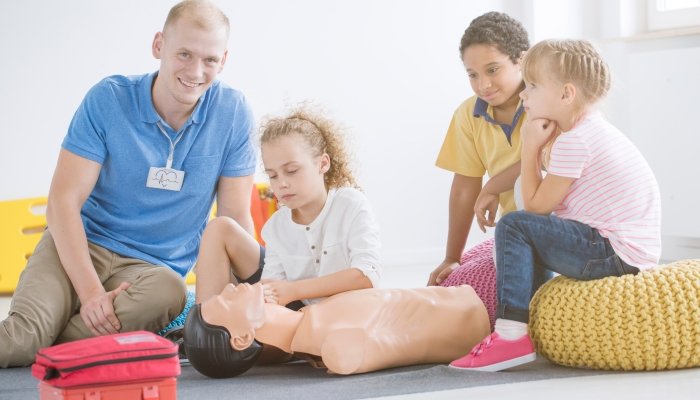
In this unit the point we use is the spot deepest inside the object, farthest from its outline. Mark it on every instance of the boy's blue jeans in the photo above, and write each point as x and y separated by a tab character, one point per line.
530	246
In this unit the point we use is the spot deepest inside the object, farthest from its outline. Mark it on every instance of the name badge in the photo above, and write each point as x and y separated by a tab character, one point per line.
165	178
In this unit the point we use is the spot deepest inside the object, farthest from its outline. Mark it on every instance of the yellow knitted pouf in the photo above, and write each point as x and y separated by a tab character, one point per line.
650	321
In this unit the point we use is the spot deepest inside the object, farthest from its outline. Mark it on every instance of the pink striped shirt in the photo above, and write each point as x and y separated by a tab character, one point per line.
615	191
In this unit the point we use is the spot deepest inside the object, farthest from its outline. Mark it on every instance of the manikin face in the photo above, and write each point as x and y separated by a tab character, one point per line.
492	75
191	57
296	175
240	309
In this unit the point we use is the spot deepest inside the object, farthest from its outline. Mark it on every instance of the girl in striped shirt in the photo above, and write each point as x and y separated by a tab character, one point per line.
603	195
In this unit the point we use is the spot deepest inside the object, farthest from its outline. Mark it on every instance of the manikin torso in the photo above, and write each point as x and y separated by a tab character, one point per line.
372	329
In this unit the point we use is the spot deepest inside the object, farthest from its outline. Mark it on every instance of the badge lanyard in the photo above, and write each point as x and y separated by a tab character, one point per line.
169	164
167	178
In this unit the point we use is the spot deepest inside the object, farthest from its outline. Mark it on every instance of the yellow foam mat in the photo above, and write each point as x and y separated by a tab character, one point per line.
20	231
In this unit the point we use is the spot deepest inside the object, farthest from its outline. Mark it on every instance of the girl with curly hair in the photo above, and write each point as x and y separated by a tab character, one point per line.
323	240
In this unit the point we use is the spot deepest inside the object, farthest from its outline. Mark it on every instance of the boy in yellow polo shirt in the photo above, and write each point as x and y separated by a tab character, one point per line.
484	135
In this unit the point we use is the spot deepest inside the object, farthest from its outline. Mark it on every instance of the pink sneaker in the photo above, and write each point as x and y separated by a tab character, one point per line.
494	354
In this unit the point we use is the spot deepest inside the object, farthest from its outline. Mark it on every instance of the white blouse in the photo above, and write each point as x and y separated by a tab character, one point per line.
344	235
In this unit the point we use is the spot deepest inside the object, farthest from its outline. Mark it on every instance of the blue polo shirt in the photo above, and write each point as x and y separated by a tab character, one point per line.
116	126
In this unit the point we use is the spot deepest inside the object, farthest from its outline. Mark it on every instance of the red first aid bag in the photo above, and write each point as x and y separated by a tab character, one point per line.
124	357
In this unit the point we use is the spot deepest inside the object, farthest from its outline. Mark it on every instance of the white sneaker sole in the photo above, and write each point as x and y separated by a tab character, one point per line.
503	365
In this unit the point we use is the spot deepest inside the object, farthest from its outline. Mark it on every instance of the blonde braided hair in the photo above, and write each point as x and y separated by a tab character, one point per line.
577	62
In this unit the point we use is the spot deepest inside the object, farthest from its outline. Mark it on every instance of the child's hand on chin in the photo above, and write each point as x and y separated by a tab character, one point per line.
278	292
537	132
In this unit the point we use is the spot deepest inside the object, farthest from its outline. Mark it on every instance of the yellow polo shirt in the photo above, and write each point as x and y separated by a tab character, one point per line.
476	144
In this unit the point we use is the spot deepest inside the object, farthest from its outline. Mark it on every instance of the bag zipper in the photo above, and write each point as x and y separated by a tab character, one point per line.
40	353
52	373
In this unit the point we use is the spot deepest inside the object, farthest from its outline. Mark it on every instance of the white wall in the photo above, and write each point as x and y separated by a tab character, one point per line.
389	69
544	19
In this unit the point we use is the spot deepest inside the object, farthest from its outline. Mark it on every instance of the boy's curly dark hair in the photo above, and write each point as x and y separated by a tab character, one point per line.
497	29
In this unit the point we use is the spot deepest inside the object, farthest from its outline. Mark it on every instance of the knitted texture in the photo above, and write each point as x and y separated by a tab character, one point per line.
180	319
478	271
648	321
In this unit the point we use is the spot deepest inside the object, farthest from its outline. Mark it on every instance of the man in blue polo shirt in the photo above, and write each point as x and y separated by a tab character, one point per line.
143	160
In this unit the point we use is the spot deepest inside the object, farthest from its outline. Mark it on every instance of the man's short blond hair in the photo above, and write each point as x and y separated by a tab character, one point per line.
204	13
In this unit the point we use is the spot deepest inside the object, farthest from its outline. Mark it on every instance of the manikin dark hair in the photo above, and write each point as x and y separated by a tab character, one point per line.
209	350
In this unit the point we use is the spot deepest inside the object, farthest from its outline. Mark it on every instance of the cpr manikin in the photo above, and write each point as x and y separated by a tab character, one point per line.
348	333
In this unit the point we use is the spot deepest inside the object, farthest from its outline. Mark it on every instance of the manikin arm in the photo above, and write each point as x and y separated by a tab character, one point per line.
374	329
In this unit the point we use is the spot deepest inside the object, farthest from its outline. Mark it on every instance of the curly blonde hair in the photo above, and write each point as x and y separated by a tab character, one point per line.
569	61
322	134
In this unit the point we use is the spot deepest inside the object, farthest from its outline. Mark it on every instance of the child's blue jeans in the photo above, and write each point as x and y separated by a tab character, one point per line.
530	246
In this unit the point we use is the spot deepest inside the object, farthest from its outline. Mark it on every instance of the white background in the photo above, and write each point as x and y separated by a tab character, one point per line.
389	69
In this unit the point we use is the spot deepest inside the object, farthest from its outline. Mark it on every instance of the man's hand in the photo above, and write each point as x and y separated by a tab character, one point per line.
278	292
486	202
98	312
536	133
442	271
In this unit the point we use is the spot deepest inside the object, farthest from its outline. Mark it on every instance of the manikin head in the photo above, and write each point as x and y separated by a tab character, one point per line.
220	333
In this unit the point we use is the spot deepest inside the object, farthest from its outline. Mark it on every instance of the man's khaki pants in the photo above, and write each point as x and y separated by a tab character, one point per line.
45	308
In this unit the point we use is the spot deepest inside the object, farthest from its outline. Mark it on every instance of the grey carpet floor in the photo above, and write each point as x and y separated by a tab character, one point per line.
301	381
